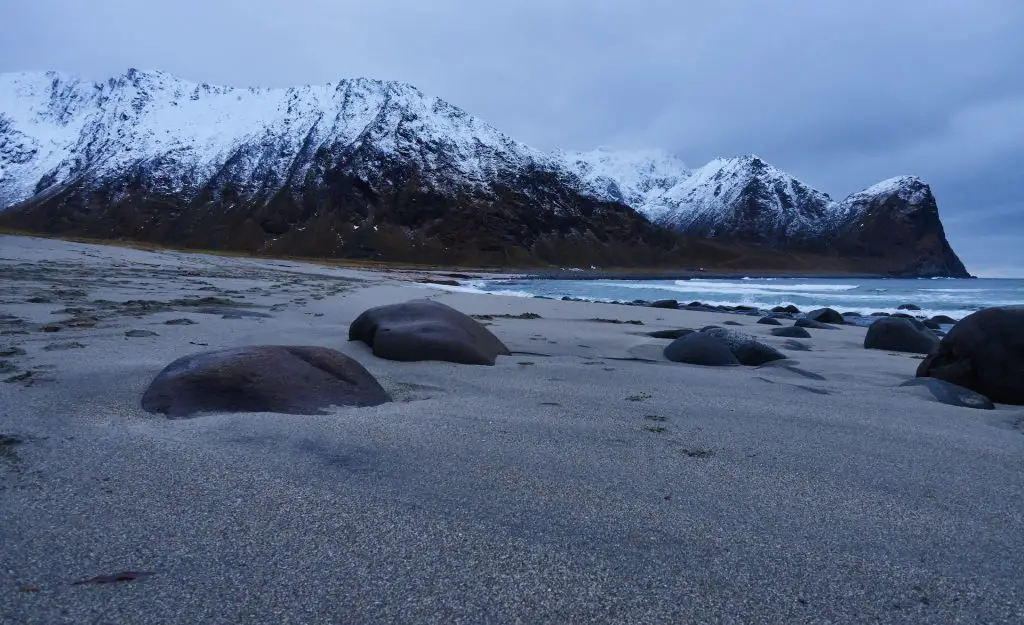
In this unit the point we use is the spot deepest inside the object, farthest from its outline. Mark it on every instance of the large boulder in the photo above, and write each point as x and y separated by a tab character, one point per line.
747	349
984	352
426	330
701	348
262	378
900	335
825	315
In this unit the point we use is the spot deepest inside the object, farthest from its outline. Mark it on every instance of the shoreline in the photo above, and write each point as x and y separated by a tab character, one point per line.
532	272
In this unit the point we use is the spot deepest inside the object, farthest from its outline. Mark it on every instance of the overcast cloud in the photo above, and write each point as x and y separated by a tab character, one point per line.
841	94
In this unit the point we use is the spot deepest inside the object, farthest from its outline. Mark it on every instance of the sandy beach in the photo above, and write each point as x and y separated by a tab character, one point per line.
584	478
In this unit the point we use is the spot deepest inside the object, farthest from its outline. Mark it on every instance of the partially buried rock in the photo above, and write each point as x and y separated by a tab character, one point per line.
731	323
426	330
814	325
900	335
180	322
793	332
264	378
747	349
701	348
908	307
951	394
825	315
769	321
670	334
136	334
984	352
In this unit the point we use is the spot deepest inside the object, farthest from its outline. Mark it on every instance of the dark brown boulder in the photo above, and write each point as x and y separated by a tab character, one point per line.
665	303
426	330
747	349
793	332
825	315
701	348
900	335
984	352
263	378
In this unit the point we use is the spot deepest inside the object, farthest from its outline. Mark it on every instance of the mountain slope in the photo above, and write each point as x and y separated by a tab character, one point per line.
371	169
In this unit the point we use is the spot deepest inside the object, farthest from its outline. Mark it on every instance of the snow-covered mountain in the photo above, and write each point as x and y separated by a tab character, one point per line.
376	169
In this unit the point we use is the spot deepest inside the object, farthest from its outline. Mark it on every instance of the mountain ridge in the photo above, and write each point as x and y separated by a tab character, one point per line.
70	149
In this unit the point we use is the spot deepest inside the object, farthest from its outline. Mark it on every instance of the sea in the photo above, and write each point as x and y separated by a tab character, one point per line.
955	298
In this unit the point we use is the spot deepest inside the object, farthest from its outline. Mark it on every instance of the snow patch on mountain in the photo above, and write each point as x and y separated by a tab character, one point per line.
55	127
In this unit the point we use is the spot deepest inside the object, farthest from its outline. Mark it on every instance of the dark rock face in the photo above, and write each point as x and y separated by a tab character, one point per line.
769	321
793	332
951	394
786	309
665	303
900	335
426	330
942	320
747	349
814	325
908	307
267	378
701	348
984	352
670	334
900	223
825	315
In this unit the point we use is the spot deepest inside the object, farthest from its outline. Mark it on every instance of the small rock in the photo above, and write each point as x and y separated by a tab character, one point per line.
908	307
59	347
50	328
184	321
793	332
943	320
769	321
11	351
731	323
39	300
139	333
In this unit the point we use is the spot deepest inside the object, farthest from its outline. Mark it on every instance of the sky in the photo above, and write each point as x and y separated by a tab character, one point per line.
840	94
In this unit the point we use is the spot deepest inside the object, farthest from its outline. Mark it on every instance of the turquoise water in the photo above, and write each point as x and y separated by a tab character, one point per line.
953	297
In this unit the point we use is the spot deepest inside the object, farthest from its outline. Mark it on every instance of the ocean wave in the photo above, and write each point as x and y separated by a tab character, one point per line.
732	286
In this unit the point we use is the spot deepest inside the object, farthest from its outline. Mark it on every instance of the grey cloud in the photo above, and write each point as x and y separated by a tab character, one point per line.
842	94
